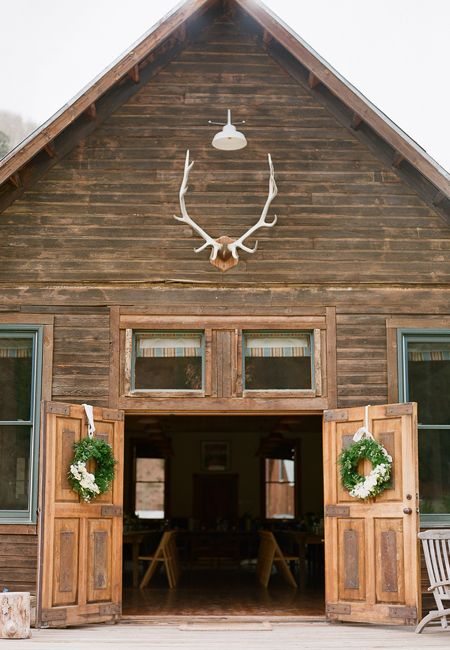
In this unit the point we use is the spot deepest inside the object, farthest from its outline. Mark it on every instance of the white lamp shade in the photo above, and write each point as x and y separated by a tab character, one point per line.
229	139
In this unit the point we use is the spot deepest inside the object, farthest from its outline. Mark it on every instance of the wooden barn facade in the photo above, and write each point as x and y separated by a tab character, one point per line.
227	395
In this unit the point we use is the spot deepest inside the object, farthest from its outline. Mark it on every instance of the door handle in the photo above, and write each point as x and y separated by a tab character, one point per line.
407	511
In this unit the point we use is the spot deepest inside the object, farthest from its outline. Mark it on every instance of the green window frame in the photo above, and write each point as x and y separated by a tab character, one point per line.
404	337
35	333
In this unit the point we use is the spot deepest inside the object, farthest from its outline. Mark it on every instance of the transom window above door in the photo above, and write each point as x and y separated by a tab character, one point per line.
167	360
424	364
196	362
278	360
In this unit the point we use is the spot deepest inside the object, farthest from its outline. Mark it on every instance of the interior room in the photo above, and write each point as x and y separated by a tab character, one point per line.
223	515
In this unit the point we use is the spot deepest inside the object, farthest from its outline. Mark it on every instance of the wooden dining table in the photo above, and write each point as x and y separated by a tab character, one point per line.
135	538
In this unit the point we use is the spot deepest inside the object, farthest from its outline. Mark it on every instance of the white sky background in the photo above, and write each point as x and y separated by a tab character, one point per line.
396	52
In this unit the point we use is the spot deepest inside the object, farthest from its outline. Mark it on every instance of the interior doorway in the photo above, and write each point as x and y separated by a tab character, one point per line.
216	482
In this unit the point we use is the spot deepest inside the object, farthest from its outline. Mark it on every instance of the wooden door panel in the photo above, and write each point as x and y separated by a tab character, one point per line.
104	431
68	432
99	556
389	433
371	547
65	561
80	574
389	574
352	569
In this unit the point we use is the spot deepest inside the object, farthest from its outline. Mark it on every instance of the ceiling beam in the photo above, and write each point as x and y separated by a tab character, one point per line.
357	120
91	111
313	81
398	159
134	73
50	149
16	180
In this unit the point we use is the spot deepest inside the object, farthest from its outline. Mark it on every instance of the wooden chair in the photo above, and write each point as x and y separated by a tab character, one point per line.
166	553
269	554
436	549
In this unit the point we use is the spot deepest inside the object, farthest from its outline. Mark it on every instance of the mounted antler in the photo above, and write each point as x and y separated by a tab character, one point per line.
209	241
224	251
261	223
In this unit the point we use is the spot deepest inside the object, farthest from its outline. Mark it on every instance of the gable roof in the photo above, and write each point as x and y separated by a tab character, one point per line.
29	161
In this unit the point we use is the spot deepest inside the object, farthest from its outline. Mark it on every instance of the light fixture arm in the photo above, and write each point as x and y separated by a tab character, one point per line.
228	120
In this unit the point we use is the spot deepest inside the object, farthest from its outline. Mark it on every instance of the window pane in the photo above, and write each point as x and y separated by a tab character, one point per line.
14	467
280	488
16	361
150	469
429	380
168	361
278	361
150	477
434	470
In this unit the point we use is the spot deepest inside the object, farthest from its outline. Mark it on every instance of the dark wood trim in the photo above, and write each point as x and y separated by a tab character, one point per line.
114	360
331	359
219	405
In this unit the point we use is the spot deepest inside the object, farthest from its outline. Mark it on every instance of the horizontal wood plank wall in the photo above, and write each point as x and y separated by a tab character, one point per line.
18	561
105	213
98	231
81	358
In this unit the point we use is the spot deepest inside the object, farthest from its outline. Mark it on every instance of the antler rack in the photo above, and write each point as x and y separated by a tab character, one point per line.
224	250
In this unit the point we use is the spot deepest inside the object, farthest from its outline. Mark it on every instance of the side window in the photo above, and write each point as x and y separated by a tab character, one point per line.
279	483
167	361
278	360
20	369
150	488
425	379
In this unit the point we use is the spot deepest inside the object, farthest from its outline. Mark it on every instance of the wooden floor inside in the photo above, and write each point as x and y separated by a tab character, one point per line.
222	592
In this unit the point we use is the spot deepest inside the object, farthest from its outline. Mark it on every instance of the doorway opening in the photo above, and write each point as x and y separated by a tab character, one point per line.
215	482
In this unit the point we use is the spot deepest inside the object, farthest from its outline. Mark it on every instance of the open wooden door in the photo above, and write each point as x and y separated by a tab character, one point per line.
371	548
80	567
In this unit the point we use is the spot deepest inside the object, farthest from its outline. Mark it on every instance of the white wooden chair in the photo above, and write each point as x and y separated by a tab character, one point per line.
167	554
436	549
269	554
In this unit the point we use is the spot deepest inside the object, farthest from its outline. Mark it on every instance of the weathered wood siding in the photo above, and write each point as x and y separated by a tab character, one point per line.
98	230
104	215
18	559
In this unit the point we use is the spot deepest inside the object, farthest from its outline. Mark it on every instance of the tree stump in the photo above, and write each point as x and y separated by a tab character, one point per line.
15	615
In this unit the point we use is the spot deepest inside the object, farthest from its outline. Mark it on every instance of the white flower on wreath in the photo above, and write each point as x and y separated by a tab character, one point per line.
364	489
85	479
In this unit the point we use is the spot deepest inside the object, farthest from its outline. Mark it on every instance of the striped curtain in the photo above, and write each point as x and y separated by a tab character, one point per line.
429	351
168	345
20	348
277	345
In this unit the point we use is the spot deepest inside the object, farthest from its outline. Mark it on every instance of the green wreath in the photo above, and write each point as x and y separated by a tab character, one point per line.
90	485
365	487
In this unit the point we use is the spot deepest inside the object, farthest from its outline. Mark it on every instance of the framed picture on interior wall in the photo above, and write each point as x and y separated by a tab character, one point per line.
215	456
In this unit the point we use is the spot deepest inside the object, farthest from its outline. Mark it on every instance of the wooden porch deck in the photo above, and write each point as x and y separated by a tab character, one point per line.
234	634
